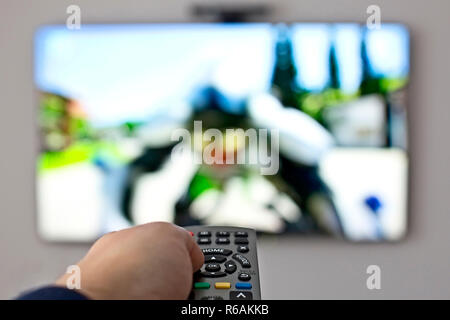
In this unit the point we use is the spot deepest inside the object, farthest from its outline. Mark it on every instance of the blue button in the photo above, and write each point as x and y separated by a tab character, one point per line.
243	285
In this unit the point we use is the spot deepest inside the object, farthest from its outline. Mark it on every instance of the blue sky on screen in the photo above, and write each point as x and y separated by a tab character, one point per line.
388	50
130	72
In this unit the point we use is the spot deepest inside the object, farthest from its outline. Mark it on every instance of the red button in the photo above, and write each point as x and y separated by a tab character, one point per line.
192	234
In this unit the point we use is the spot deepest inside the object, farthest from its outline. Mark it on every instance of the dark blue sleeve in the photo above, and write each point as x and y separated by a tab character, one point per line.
52	293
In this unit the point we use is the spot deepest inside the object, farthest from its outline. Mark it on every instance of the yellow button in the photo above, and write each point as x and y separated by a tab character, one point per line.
222	285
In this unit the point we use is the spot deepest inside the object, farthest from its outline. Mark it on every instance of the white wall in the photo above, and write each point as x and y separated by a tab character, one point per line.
293	267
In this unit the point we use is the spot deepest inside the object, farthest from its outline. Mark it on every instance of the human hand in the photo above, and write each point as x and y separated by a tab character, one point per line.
151	261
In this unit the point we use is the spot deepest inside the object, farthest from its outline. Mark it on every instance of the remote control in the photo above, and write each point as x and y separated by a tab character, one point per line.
230	271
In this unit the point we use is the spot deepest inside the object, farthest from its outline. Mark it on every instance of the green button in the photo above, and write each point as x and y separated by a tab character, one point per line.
201	285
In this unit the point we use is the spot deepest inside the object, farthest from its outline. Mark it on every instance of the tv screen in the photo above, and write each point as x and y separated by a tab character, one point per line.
286	128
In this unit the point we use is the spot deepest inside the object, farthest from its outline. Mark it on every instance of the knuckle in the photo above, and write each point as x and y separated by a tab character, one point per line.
162	225
107	236
166	228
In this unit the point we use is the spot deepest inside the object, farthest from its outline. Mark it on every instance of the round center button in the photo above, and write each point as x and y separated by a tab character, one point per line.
212	267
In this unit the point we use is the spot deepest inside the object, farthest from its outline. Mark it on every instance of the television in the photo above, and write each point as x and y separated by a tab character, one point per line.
288	128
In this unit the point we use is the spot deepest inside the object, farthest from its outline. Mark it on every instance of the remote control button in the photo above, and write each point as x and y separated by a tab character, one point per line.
201	285
243	285
242	260
191	233
241	295
243	249
225	252
204	234
204	241
241	234
212	267
230	267
212	298
218	259
222	285
217	274
223	241
240	241
222	234
244	277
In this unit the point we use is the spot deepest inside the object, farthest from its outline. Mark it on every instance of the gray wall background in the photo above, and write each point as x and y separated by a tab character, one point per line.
291	268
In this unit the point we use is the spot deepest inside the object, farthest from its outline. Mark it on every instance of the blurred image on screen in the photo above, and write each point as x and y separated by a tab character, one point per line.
111	96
